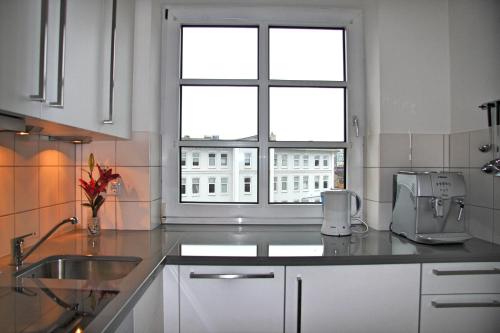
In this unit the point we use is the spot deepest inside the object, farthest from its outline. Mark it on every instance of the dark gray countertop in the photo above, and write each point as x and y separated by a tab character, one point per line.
25	307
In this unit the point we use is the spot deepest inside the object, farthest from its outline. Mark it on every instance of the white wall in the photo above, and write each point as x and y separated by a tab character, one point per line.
474	60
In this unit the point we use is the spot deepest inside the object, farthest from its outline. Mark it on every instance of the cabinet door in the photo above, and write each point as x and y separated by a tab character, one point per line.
358	298
20	71
148	312
460	313
231	299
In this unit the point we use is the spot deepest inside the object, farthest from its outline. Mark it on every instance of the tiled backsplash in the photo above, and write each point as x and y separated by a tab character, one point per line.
138	161
37	179
385	154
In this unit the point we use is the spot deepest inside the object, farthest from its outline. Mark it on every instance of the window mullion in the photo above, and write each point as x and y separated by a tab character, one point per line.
263	128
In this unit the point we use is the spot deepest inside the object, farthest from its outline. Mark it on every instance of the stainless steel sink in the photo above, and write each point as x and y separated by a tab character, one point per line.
81	268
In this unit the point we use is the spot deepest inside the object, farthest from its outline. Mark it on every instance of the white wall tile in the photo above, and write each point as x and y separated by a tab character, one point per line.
25	188
6	149
67	153
48	153
67	210
107	215
395	151
155	149
155	213
136	186
481	189
133	152
378	214
67	181
155	182
49	185
26	150
372	150
7	186
133	215
104	153
427	151
49	217
480	222
477	139
25	223
6	234
459	150
379	183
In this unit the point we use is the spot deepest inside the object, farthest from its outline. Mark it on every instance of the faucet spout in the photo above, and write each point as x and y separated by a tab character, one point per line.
18	255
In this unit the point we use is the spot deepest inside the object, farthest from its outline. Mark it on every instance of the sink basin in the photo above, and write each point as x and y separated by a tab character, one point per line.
81	268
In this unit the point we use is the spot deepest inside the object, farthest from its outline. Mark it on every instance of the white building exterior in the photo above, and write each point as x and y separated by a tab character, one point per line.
230	174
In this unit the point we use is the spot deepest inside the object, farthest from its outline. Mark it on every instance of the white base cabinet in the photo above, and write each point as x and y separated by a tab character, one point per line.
357	298
231	299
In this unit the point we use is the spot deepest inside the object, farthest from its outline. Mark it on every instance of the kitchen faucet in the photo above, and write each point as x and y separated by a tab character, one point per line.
18	255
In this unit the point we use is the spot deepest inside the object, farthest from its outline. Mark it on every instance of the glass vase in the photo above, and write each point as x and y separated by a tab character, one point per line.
93	226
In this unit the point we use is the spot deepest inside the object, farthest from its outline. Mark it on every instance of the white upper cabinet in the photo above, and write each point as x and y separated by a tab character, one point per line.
93	51
22	63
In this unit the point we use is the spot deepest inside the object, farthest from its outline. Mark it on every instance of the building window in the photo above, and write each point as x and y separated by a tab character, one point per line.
195	186
325	182
316	161
284	160
305	183
211	160
248	160
211	185
223	160
296	161
296	183
305	161
275	184
284	184
183	160
248	183
316	182
326	161
223	185
183	186
196	160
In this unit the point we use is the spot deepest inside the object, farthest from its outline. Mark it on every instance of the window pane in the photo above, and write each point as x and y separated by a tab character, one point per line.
306	114
233	182
306	54
206	112
308	181
219	52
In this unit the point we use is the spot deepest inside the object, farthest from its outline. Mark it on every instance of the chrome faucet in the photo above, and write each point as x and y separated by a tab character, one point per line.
18	255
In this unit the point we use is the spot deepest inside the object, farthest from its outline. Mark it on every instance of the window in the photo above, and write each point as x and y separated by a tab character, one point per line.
195	186
196	160
278	84
316	161
316	182
325	182
223	185
248	182
211	160
284	184
284	160
305	183
326	161
211	185
183	186
223	160
183	159
248	159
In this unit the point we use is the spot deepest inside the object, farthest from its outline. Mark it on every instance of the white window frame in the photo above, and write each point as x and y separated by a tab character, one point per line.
284	181
215	160
195	194
296	161
249	165
245	185
214	183
198	154
296	183
224	166
262	16
224	183
305	183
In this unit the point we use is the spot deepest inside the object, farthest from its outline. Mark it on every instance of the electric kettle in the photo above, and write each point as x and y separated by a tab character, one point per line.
337	212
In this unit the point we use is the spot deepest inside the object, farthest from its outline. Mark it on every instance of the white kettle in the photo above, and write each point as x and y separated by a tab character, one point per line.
337	212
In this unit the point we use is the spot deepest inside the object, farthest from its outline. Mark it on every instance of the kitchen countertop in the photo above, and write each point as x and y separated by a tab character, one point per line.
25	306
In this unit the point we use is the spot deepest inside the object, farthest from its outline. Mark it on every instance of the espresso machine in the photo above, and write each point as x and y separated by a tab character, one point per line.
428	207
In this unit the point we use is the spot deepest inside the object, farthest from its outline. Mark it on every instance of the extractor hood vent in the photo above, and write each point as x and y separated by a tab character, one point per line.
12	124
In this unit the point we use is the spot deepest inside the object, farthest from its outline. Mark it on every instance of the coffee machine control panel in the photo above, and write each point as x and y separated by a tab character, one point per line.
447	185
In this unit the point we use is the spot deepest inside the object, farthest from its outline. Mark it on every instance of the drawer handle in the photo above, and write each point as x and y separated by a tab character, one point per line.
231	276
109	121
467	272
299	304
59	103
492	304
42	62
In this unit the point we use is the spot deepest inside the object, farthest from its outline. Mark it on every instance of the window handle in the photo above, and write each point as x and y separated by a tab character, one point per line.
355	123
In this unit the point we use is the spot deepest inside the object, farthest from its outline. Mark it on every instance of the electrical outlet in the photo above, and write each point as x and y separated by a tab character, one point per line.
115	187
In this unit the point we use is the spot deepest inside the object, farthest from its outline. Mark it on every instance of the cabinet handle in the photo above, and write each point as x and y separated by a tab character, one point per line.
42	65
467	272
492	304
61	54
112	65
299	304
231	276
